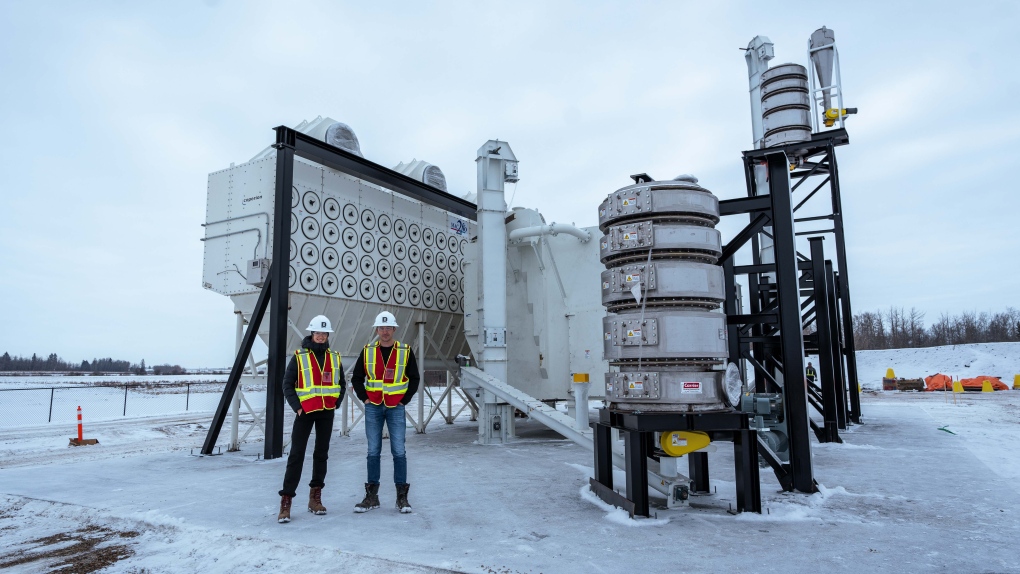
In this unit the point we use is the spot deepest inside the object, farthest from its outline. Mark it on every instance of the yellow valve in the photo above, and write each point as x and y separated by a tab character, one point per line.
581	377
957	387
986	387
833	114
889	374
679	443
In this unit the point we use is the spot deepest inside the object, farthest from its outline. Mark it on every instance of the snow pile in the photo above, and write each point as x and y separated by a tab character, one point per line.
962	361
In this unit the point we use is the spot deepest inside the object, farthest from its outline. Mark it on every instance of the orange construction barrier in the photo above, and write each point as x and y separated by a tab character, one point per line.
940	382
79	424
977	383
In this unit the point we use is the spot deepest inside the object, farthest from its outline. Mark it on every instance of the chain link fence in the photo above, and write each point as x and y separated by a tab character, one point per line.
58	404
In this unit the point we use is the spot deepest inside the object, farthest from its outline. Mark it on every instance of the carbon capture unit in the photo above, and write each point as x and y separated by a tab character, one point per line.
690	339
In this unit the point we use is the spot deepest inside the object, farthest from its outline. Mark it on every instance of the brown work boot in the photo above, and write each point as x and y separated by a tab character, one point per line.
402	504
315	501
284	515
371	498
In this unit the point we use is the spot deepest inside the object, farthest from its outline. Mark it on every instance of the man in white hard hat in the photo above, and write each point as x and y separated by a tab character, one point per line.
385	378
313	386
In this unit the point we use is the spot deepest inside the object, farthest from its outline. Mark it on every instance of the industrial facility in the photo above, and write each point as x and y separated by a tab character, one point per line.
690	339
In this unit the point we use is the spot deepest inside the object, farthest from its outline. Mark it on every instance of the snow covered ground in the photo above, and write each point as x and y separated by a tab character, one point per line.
961	361
925	485
56	399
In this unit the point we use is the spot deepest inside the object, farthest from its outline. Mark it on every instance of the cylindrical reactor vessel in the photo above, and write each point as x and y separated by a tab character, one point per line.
665	336
785	105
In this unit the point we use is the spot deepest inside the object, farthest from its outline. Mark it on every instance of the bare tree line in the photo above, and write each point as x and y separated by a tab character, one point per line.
53	363
899	329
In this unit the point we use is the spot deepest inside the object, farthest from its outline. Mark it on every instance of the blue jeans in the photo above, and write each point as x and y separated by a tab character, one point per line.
375	415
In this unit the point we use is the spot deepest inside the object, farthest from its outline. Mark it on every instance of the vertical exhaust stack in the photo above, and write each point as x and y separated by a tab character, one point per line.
496	165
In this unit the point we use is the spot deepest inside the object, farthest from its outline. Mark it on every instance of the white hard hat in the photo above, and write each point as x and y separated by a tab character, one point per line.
385	319
320	324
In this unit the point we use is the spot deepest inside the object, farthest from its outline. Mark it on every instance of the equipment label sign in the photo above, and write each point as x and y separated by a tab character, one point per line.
630	236
678	440
632	278
637	386
607	336
605	284
635	333
602	213
694	387
457	225
629	201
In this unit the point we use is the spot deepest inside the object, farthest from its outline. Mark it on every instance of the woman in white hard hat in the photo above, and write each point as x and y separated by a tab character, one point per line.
385	378
313	386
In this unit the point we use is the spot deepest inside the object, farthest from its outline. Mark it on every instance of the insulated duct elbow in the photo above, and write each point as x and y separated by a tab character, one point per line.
551	229
424	172
342	136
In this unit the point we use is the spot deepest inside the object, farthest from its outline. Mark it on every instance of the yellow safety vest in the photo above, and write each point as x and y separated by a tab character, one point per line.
386	383
318	387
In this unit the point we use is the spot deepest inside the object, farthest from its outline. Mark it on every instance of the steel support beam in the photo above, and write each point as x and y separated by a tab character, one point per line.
792	342
636	454
280	274
342	160
745	459
238	368
839	372
697	464
826	369
603	436
849	347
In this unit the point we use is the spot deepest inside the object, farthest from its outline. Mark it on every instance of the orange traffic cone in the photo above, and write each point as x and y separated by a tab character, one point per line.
81	441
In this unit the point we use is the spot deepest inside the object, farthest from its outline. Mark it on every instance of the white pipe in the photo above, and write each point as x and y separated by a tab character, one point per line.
551	229
581	405
421	377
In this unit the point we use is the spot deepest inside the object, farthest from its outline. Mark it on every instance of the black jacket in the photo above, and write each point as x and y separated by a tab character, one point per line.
358	376
290	377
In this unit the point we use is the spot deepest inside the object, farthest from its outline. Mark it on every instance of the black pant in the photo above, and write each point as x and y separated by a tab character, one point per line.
323	423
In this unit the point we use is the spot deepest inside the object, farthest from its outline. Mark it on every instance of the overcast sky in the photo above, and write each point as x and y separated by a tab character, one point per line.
114	113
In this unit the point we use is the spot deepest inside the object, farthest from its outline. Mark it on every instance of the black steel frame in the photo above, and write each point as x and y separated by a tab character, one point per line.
290	144
639	430
771	338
